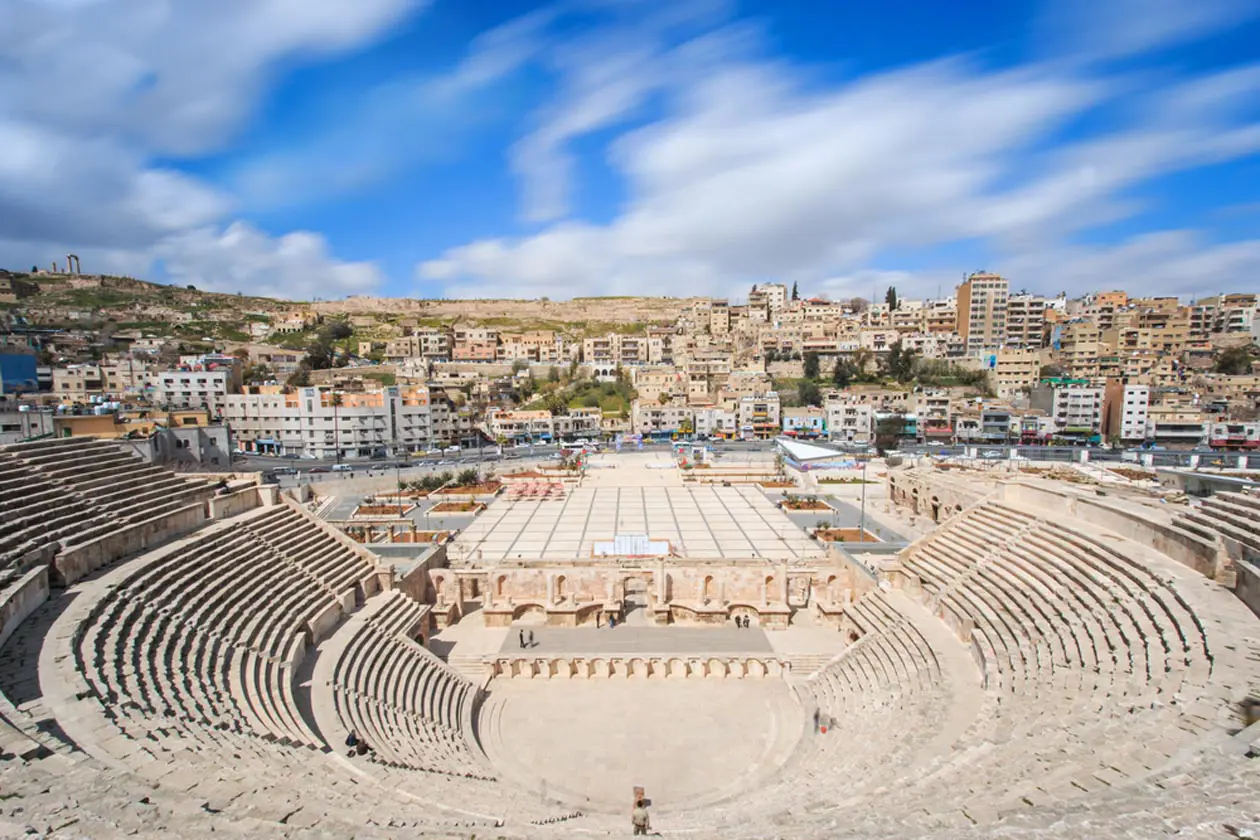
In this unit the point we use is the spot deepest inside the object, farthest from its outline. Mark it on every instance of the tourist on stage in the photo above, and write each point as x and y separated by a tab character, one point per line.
639	818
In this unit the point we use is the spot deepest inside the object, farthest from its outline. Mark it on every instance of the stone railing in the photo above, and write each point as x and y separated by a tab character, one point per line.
735	667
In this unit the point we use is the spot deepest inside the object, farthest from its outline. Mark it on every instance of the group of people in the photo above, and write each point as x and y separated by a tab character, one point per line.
523	637
743	621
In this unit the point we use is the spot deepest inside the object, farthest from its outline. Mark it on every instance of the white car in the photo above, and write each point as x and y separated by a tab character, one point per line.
343	468
451	449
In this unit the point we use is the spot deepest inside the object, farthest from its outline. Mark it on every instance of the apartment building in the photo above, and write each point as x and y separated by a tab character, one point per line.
850	420
78	383
719	317
935	415
661	420
474	344
1237	437
941	316
715	422
543	425
772	296
1176	426
807	422
321	423
981	317
429	343
1016	371
1125	411
200	382
1025	321
626	350
1077	409
759	416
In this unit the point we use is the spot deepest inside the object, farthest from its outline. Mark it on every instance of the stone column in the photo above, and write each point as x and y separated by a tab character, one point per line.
660	581
551	588
783	582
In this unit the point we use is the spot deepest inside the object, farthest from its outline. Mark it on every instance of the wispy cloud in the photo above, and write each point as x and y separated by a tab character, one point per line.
756	169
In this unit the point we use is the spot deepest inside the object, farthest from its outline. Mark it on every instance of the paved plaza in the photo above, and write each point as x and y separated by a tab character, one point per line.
636	495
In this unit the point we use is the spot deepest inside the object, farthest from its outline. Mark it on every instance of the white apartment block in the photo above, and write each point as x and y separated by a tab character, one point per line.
543	425
310	421
850	421
1077	410
194	388
714	422
647	419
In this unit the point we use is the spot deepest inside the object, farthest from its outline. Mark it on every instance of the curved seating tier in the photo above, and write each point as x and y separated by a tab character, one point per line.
204	637
880	700
401	699
1096	668
56	494
1234	516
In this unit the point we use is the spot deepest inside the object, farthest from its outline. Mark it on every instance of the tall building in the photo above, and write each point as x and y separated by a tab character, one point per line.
981	319
1025	321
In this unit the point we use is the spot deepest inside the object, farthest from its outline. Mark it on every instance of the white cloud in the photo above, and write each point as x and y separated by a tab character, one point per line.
243	259
1170	262
757	170
92	93
179	78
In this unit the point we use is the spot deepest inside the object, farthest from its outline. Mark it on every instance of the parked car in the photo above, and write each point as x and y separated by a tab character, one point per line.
285	471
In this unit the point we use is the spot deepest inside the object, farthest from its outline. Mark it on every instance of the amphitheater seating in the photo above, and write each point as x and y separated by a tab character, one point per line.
203	638
882	693
56	494
1230	515
1075	641
401	699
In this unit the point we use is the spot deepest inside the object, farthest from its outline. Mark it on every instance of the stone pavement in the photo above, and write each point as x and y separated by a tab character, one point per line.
588	743
630	639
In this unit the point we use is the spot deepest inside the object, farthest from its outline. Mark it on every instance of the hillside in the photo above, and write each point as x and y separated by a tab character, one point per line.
153	308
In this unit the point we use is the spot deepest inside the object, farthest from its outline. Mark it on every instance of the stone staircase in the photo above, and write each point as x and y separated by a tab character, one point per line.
468	665
807	664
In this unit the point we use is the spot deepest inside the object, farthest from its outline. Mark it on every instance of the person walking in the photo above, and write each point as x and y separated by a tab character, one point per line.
531	638
522	632
639	818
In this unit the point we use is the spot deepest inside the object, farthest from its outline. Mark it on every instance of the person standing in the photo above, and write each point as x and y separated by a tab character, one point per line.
522	632
639	818
531	638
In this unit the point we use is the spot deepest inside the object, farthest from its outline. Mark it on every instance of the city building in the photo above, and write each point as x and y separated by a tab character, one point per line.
981	314
320	423
1125	410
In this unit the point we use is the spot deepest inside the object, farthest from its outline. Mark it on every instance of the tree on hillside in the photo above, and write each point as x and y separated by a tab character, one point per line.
857	305
899	363
808	392
300	378
1235	361
811	365
795	294
255	374
842	374
890	298
556	404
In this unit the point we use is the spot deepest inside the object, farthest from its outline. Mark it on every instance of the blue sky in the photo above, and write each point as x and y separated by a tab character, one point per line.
317	148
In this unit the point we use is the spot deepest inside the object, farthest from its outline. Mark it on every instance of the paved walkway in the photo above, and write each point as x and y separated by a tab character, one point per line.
648	640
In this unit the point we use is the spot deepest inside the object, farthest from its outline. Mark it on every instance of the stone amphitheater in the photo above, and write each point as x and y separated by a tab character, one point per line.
185	658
